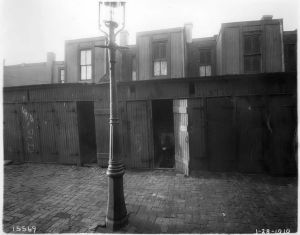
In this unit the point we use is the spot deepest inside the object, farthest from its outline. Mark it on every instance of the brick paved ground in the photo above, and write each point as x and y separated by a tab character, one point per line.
57	198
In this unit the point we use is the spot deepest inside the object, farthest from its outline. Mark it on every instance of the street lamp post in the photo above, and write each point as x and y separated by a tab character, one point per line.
116	215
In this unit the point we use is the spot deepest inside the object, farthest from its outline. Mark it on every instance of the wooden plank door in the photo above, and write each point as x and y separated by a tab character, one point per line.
67	132
12	133
139	116
282	132
48	132
197	134
181	136
102	133
250	112
221	134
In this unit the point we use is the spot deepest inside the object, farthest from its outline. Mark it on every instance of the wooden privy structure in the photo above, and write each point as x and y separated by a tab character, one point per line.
245	123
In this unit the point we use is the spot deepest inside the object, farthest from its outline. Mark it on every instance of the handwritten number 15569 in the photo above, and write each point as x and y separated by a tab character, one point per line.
30	229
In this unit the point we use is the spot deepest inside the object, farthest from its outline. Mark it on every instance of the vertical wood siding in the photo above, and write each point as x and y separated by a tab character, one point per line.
177	55
71	62
138	131
273	44
219	52
67	132
221	138
12	133
181	136
31	133
231	51
250	116
197	137
101	111
48	132
144	58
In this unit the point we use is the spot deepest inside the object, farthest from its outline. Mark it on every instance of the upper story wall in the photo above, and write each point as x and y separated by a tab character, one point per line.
160	54
84	62
201	57
33	73
290	50
250	47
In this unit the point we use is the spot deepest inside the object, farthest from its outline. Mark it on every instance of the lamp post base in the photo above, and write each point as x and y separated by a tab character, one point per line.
116	216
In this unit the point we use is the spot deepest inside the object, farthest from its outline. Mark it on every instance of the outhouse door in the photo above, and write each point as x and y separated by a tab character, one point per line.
181	136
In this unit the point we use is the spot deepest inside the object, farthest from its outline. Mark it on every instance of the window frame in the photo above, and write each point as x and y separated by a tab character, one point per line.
253	53
206	63
59	75
160	59
85	65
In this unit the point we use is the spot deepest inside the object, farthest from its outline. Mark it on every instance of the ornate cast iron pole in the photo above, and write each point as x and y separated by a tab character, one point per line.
116	216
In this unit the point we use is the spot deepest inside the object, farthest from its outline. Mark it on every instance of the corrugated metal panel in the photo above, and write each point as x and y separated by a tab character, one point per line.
273	39
231	51
177	55
12	133
144	58
138	130
181	136
101	111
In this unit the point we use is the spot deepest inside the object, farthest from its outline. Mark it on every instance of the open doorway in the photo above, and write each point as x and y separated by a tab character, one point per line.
163	133
86	130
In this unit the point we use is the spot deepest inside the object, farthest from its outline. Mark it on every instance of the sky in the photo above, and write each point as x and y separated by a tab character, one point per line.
31	28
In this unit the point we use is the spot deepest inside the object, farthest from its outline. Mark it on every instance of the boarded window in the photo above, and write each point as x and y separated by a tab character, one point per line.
85	64
252	53
160	64
205	62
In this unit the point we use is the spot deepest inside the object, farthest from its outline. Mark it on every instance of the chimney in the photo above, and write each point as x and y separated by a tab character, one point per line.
188	28
267	17
50	57
124	35
50	66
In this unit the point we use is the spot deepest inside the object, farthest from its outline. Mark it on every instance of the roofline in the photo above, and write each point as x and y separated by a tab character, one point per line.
26	64
159	31
249	23
204	39
169	80
102	38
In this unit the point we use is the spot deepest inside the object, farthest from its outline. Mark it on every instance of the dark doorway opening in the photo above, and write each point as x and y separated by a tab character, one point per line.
86	130
163	133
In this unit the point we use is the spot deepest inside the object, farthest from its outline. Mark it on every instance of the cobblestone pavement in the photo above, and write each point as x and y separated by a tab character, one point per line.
57	198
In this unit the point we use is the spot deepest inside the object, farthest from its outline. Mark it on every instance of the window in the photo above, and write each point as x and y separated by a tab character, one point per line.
160	65
85	65
133	76
62	76
252	53
205	62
